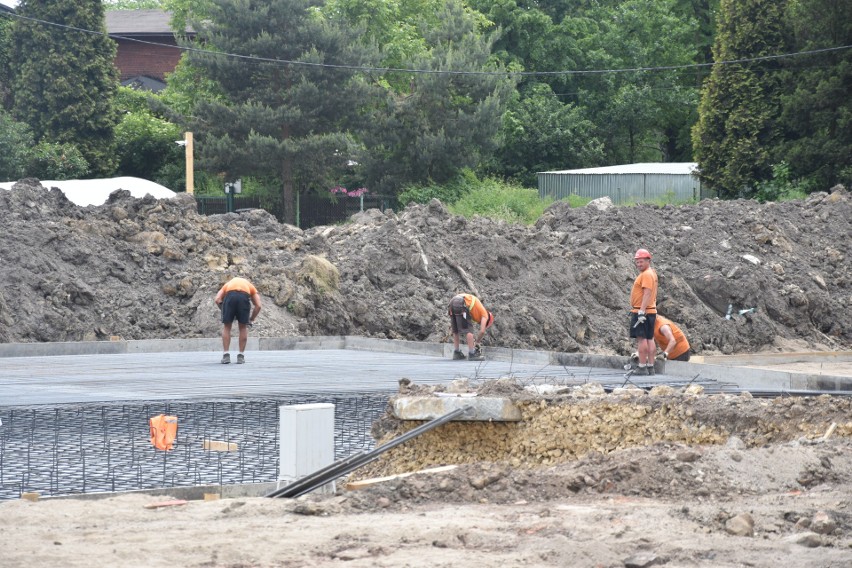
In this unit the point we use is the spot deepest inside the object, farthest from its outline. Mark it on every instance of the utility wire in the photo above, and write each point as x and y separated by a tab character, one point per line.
254	58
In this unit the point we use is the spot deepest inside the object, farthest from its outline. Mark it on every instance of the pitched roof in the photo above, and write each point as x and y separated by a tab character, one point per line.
643	168
139	23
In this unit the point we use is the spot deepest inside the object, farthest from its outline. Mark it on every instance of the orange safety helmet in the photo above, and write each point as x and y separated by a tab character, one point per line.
642	253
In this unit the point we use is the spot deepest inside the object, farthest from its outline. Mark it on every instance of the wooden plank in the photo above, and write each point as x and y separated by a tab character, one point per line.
161	504
355	485
219	446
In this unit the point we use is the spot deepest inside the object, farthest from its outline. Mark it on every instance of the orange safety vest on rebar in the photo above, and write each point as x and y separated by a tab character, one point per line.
163	431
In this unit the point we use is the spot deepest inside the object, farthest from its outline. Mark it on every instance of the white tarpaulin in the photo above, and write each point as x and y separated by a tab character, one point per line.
96	191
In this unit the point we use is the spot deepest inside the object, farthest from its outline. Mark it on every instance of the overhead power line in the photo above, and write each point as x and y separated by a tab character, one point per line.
257	59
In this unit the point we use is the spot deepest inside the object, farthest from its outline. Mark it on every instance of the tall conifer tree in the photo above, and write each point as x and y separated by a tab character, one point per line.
443	122
740	103
816	119
290	121
64	80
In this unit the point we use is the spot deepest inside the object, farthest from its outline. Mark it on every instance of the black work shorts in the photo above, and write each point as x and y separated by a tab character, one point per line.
682	357
645	331
236	306
459	318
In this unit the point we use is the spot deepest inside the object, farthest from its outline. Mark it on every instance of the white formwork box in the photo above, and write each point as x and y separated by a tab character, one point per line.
306	440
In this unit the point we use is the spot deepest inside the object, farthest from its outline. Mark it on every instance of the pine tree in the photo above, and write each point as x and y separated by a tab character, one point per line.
817	108
5	51
64	79
290	121
740	103
443	122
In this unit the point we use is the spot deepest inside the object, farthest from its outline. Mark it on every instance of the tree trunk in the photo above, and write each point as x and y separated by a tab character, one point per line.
288	191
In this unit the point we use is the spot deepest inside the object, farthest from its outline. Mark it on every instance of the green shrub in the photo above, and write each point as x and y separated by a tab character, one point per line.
499	200
51	161
146	148
781	187
16	140
447	193
670	198
575	200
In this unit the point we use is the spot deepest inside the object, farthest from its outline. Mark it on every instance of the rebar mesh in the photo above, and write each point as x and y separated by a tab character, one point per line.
72	449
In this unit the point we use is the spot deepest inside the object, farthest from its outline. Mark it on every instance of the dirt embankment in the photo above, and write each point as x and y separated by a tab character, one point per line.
585	421
142	268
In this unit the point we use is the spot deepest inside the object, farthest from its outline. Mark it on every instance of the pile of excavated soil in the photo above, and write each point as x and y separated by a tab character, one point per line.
147	268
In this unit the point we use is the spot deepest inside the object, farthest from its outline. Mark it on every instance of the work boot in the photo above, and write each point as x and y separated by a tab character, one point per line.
651	370
641	370
226	358
458	356
241	359
475	357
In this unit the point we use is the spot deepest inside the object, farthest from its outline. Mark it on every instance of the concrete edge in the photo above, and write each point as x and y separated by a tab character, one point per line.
722	369
779	358
750	378
359	343
189	493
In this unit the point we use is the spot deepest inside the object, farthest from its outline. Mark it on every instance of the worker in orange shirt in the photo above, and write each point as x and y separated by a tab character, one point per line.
643	311
464	309
239	300
670	339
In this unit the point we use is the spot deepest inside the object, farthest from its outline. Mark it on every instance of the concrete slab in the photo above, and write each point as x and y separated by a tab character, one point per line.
479	408
198	375
180	369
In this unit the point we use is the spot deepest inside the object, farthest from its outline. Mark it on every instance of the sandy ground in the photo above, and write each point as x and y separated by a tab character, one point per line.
724	506
606	531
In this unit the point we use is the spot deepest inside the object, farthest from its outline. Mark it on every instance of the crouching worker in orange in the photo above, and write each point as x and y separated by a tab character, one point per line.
463	310
236	299
671	340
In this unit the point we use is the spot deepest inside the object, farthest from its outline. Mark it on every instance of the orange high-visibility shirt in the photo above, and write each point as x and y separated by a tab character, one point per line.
239	285
681	344
646	279
475	308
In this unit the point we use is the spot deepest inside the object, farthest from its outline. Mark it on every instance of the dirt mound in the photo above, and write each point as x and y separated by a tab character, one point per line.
147	268
677	472
586	421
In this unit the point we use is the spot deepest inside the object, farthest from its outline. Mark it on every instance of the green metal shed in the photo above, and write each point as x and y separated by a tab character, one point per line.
628	183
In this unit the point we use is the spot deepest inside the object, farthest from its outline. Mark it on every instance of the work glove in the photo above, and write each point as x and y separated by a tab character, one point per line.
640	320
634	357
663	356
477	349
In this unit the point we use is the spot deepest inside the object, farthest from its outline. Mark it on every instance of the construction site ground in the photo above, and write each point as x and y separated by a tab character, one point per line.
590	477
776	493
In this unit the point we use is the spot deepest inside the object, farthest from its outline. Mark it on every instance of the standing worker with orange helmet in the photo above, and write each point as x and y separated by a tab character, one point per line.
643	302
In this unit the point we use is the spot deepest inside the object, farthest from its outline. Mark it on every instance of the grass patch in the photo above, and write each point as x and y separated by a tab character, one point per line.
499	200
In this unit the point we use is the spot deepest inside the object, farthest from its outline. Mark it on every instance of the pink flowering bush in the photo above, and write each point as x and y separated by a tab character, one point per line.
349	192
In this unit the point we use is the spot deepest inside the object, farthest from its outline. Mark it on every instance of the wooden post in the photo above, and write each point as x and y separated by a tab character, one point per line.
189	164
